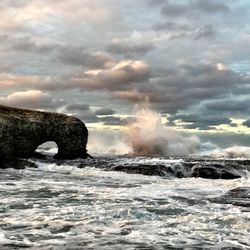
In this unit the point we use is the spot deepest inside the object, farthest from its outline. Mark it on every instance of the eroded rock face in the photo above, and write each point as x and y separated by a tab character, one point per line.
22	131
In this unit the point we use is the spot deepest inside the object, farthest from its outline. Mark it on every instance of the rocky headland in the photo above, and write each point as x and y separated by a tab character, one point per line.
22	131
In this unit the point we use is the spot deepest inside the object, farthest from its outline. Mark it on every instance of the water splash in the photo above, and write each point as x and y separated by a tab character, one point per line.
149	136
145	136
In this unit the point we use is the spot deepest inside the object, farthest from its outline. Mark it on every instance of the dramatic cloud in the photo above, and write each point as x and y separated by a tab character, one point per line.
105	111
202	122
229	105
77	56
129	48
13	81
82	111
87	116
89	58
184	87
111	120
31	99
77	107
133	96
115	78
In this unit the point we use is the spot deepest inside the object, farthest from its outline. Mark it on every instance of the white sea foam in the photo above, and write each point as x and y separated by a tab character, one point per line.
231	152
68	207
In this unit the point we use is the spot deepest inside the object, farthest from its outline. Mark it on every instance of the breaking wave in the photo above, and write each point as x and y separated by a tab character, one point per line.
146	136
231	152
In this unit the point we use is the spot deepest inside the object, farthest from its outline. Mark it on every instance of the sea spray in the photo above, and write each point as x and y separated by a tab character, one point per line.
108	142
230	152
146	135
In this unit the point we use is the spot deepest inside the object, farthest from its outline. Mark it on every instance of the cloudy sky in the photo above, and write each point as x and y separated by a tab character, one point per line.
98	59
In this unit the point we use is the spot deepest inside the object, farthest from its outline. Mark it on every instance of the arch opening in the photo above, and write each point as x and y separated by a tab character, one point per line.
48	148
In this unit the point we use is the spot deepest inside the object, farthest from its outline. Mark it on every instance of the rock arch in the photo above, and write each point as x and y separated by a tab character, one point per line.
22	131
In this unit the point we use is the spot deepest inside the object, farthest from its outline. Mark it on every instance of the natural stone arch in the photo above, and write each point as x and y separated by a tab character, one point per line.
22	131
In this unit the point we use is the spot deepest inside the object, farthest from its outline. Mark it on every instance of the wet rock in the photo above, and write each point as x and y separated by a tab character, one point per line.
158	170
239	196
216	171
22	164
22	131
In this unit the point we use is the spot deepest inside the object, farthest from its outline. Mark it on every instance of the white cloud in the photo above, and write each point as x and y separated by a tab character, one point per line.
31	99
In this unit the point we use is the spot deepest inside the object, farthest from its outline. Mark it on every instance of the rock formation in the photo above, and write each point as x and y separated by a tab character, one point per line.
239	196
216	171
150	169
22	131
203	168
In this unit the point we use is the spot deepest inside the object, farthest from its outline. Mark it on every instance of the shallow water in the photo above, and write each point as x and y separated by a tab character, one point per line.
64	207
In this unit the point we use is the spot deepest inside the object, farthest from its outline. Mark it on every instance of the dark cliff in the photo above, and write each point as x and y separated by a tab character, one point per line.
22	131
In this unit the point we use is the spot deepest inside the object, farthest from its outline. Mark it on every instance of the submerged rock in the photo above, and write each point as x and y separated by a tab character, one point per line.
216	171
239	196
22	131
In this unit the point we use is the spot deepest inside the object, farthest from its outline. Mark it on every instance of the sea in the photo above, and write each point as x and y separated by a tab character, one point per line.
85	204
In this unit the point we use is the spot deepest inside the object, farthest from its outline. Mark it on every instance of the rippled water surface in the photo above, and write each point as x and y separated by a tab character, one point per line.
64	207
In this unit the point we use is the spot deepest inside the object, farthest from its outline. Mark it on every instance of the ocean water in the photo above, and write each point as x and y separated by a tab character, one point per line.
62	206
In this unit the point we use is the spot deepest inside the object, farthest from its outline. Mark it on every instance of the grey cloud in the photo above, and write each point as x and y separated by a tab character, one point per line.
82	111
178	89
87	116
117	121
116	78
247	123
66	54
63	54
181	31
105	111
130	48
197	69
134	96
170	26
155	2
25	44
205	32
194	6
229	105
77	107
111	120
211	6
200	121
78	56
175	9
185	86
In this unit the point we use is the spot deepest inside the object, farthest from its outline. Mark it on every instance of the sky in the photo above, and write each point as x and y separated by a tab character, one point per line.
187	60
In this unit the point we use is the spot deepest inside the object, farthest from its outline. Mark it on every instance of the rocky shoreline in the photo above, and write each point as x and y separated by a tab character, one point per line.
187	168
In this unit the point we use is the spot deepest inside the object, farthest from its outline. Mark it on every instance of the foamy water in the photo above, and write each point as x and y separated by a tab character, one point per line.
65	207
